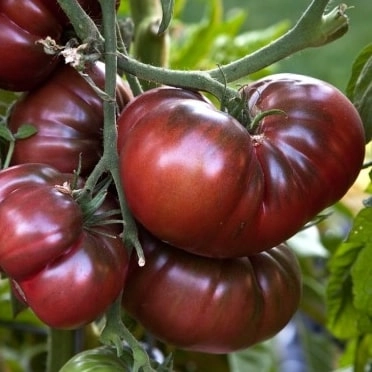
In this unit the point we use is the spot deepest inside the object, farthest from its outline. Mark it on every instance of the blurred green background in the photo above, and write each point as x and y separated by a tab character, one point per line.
332	62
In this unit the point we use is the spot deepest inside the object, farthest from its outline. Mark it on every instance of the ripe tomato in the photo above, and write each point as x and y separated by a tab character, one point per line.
212	305
23	62
67	274
197	179
68	125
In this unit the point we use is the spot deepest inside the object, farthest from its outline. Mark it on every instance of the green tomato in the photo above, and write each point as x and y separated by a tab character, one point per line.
101	359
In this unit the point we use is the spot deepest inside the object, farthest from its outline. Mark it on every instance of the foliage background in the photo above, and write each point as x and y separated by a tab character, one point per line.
332	62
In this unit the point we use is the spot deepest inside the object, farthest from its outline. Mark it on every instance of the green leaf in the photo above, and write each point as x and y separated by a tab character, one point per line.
6	134
347	291
356	70
362	278
25	131
189	51
359	88
260	357
167	8
318	350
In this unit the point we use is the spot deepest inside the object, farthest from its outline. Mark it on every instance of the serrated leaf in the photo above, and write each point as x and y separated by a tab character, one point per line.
167	8
345	319
25	131
6	134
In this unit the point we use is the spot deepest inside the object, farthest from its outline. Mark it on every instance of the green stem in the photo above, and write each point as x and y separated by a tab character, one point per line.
149	46
110	158
313	29
133	81
9	154
140	9
115	332
84	26
61	347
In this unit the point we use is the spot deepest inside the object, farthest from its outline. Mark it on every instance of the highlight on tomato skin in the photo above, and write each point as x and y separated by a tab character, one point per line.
198	179
212	305
66	271
19	43
69	126
24	25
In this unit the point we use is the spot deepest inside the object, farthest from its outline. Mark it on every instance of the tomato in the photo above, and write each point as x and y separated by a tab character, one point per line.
66	273
196	178
101	359
68	125
23	62
212	305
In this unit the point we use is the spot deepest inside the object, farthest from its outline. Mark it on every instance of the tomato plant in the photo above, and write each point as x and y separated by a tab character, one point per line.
22	24
69	126
212	305
198	179
73	273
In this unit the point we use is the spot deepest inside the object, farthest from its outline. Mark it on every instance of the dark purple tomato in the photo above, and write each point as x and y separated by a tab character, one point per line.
197	179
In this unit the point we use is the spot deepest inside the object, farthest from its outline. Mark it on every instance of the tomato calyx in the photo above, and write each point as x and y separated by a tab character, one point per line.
92	202
249	117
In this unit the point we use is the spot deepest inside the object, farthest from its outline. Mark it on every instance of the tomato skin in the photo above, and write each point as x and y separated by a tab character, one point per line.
30	175
195	178
212	305
68	275
80	285
23	63
69	125
45	228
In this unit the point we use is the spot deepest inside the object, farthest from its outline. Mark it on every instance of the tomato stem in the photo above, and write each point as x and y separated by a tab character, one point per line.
9	154
314	28
110	158
115	332
61	347
149	45
80	20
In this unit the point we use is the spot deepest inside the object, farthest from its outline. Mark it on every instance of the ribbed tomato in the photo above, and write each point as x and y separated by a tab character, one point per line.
68	116
66	272
198	179
212	305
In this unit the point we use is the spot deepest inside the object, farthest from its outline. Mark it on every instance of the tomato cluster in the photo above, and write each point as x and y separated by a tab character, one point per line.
220	196
61	250
214	198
